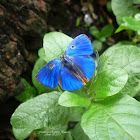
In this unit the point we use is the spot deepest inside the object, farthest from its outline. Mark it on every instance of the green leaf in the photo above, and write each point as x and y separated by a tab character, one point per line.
122	8
129	23
116	117
21	134
28	93
95	32
41	54
54	44
76	114
70	99
78	133
44	137
77	22
68	136
40	112
108	82
108	6
126	57
107	30
37	67
136	1
97	45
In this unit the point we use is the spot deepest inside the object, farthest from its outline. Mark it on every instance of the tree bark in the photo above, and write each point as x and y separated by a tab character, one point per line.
21	21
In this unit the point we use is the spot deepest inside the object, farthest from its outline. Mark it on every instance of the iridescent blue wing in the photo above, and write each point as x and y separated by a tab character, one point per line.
49	74
68	80
80	72
81	45
85	64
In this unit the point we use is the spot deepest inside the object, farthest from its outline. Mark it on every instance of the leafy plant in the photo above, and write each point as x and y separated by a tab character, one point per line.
128	18
104	108
122	8
28	93
130	23
100	36
103	34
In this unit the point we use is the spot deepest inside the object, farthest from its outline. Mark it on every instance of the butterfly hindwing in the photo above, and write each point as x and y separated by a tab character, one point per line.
81	45
49	74
86	64
68	80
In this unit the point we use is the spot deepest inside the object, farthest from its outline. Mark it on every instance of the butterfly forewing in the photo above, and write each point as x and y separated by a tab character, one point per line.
81	45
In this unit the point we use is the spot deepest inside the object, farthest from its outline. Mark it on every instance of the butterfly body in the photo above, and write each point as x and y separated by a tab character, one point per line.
67	62
73	70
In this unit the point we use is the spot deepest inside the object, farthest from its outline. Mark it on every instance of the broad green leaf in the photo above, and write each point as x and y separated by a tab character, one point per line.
116	117
107	30
40	112
28	93
108	82
122	8
126	57
78	133
41	54
129	23
70	99
37	67
54	44
76	114
21	134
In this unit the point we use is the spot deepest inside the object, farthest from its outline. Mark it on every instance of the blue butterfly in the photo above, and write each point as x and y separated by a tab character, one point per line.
73	70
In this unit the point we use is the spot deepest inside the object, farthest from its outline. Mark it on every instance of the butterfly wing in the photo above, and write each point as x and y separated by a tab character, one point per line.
81	45
85	64
68	80
82	70
49	74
